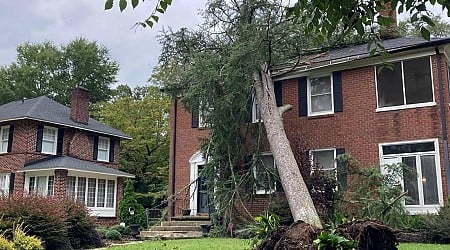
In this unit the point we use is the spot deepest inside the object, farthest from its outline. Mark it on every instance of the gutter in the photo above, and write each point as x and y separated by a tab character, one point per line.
443	117
174	146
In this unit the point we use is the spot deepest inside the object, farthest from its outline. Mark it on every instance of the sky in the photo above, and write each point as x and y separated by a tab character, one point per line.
61	21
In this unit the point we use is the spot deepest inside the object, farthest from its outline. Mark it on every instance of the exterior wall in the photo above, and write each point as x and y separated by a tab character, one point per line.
359	128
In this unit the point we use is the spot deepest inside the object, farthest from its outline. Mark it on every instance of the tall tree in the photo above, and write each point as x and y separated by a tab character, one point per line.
45	69
441	28
142	113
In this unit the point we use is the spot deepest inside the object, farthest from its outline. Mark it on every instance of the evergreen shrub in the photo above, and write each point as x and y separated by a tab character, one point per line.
113	235
129	201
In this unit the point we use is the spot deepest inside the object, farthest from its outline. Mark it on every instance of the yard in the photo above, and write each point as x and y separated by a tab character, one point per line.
232	244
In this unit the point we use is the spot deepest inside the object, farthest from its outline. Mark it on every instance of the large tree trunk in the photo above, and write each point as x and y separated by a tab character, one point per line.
297	194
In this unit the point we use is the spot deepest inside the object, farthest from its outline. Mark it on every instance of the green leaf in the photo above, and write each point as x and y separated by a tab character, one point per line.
134	3
160	10
156	18
149	23
168	2
163	5
108	4
122	4
425	33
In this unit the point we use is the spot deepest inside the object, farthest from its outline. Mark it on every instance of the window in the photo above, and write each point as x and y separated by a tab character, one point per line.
92	191
4	184
423	182
265	174
4	139
103	149
320	95
43	185
49	140
325	160
256	112
408	84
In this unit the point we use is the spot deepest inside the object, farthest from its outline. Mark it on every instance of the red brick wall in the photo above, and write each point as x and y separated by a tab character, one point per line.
359	128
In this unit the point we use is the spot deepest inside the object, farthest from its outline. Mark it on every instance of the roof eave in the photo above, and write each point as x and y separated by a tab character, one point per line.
126	175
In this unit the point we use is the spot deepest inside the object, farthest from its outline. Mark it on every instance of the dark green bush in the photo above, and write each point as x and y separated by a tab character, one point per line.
129	201
113	235
123	230
102	231
437	227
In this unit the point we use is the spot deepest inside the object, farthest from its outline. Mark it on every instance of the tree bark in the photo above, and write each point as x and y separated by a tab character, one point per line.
297	194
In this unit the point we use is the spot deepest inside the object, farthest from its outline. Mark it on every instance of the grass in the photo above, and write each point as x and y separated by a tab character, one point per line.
232	244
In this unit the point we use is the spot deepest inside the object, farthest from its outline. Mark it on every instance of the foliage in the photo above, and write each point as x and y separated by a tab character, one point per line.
437	227
377	196
102	231
441	28
142	113
129	201
45	69
5	244
332	241
123	230
80	226
113	235
24	242
265	224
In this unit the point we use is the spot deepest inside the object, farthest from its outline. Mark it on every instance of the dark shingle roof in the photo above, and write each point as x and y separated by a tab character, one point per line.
70	163
44	109
355	52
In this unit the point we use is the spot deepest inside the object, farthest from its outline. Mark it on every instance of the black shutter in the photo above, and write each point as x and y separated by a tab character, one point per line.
277	87
341	171
10	138
302	97
59	144
12	177
249	111
337	92
195	118
40	134
111	150
95	151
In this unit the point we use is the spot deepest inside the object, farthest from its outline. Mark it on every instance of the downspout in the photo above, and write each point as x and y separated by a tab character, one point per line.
443	117
174	147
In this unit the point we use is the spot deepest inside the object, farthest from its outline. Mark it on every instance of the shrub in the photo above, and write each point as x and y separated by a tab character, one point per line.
332	240
24	242
437	227
113	235
102	231
129	201
80	226
123	230
5	244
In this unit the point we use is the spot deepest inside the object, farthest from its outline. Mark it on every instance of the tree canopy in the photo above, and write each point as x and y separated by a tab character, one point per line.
46	69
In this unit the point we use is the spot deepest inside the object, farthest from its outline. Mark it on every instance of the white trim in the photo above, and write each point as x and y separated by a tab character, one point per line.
5	190
419	209
196	160
405	105
55	141
308	90
108	147
67	125
264	191
76	170
2	129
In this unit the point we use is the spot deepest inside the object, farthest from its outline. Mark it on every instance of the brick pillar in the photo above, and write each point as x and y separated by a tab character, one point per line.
60	183
120	182
19	183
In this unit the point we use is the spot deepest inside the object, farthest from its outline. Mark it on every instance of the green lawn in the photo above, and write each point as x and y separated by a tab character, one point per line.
231	244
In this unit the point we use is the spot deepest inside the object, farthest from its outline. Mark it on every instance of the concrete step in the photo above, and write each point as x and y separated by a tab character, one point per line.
176	228
170	234
185	223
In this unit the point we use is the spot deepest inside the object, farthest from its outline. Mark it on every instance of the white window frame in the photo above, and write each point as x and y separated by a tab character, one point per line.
45	191
102	211
256	111
255	175
202	116
406	106
4	184
421	208
4	129
55	141
101	149
327	112
313	163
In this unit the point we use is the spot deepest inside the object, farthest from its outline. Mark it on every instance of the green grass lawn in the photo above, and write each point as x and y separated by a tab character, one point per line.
231	244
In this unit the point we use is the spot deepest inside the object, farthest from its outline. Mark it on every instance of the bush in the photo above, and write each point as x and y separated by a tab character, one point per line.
437	227
102	231
5	244
80	226
129	201
113	235
123	230
24	242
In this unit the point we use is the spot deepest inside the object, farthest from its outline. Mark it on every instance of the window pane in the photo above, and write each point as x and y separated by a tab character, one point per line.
71	186
320	85
103	143
4	184
31	184
50	185
324	159
48	147
49	134
91	192
5	133
41	185
4	139
101	193
81	190
390	86
429	180
408	148
110	195
102	155
417	74
321	103
410	180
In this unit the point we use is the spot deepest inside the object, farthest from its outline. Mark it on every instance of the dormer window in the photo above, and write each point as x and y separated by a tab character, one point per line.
4	139
103	149
49	140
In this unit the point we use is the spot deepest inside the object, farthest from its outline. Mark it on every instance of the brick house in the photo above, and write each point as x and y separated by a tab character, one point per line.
345	101
55	150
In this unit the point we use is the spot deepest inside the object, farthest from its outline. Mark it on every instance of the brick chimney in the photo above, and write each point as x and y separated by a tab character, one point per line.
79	105
391	31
